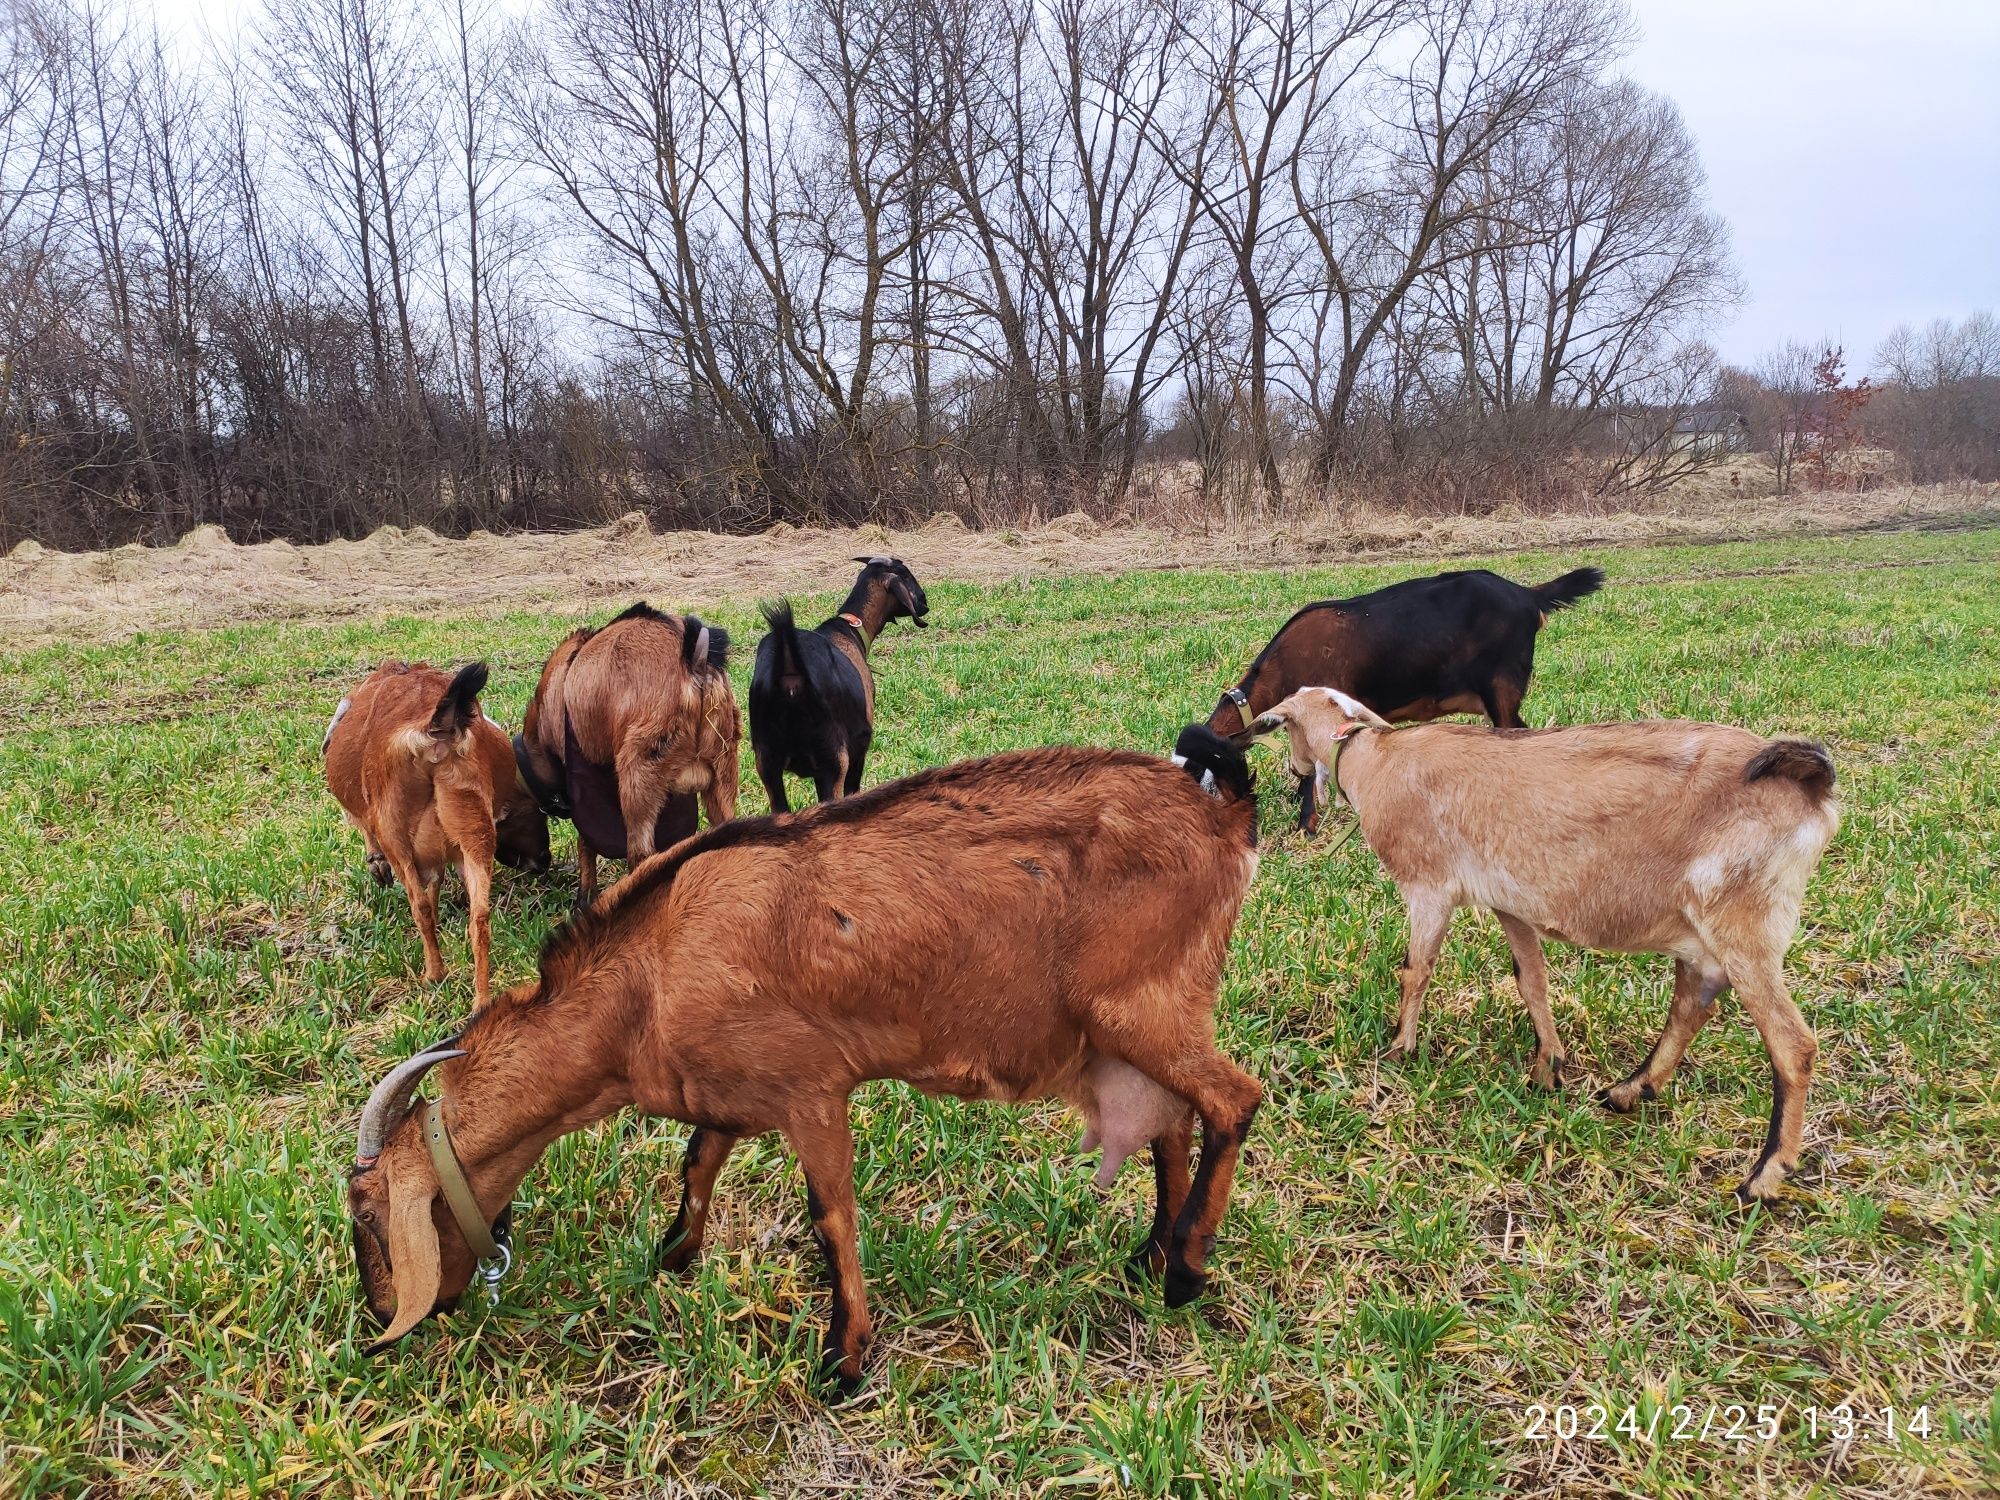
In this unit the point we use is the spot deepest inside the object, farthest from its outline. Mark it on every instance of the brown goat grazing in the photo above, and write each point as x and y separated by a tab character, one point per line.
628	723
1694	840
1045	922
1456	643
430	781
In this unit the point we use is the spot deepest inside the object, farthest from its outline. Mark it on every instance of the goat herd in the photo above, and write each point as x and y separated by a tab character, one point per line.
1045	922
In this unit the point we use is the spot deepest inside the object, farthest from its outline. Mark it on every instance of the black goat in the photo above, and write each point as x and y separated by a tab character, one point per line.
1455	643
812	697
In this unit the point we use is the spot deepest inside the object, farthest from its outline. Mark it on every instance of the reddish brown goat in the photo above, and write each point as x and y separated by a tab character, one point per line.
1045	922
430	781
628	723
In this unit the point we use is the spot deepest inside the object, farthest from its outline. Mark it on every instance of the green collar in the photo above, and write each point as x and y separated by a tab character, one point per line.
1339	749
1333	780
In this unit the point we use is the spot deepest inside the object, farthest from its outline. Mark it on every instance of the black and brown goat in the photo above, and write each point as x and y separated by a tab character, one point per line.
812	697
1040	923
430	782
1455	643
629	723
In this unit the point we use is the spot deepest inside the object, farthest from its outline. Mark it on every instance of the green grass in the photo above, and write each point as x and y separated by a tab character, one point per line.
198	983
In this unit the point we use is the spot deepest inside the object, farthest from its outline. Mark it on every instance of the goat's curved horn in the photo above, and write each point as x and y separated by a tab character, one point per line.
385	1107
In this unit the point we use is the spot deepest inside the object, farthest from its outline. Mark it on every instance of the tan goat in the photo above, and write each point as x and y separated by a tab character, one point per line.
1693	840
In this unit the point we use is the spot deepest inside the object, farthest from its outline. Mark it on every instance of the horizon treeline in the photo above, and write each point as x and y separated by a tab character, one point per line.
446	263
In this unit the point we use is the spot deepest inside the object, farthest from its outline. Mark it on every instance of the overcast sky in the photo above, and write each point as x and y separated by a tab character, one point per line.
1853	146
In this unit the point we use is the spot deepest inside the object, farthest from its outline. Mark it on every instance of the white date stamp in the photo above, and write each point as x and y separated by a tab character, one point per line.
1655	1422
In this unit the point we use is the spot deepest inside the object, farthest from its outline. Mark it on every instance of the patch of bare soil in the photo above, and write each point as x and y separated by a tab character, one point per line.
206	580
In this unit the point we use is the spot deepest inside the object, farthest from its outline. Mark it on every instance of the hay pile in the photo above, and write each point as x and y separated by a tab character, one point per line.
207	580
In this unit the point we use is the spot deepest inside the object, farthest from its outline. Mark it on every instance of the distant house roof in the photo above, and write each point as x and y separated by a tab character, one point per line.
1701	423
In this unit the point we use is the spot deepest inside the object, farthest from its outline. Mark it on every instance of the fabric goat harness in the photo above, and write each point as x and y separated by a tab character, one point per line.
1340	741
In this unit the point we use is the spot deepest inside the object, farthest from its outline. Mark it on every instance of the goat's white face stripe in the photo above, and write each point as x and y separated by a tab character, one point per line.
339	713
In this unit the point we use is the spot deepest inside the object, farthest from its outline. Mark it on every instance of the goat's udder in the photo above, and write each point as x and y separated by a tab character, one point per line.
1125	1110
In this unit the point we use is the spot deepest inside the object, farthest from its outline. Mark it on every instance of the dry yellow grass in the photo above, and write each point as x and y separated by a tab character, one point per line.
205	579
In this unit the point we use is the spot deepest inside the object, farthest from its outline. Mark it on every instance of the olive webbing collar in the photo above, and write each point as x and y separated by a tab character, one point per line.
496	1256
1340	743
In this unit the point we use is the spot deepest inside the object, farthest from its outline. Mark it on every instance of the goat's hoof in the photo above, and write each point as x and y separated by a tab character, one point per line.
1144	1265
1764	1185
378	867
1623	1098
1395	1052
675	1254
1547	1073
835	1371
1183	1285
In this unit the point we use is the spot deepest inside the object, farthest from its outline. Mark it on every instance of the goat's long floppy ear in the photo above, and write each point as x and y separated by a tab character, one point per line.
1355	709
908	600
413	1251
1270	722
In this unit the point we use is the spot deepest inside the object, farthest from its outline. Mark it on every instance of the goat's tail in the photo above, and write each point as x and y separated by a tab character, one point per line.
1210	759
1803	761
784	629
459	706
1561	593
703	646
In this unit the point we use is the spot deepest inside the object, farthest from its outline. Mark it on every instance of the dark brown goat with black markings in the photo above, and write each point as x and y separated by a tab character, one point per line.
1045	922
1455	643
629	723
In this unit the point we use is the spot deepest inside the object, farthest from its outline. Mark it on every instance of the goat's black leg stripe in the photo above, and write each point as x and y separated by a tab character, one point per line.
1774	1136
1184	1283
1141	1262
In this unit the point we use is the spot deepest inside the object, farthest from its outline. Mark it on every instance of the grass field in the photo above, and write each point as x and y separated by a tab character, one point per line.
198	984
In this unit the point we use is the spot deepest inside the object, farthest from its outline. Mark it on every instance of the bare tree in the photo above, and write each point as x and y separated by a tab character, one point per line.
1788	395
358	83
1478	72
1275	71
836	259
1941	396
